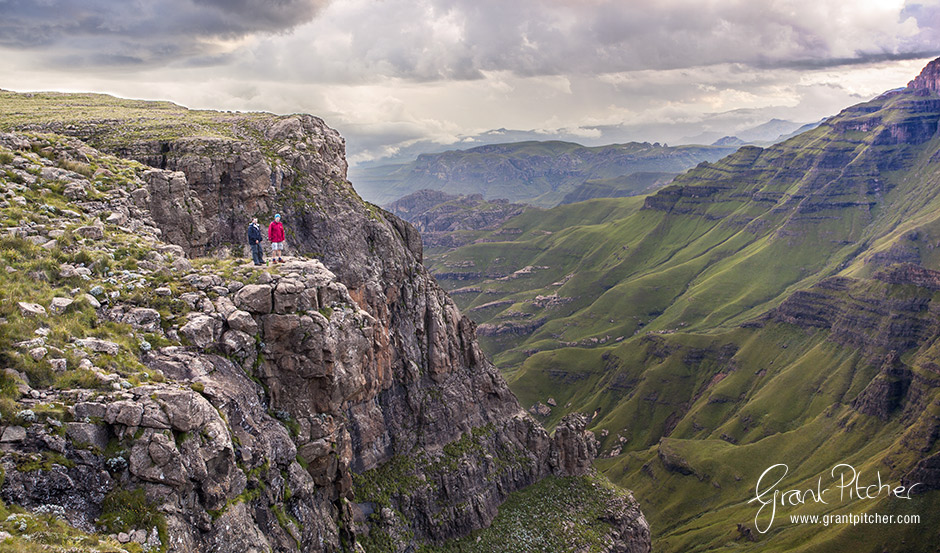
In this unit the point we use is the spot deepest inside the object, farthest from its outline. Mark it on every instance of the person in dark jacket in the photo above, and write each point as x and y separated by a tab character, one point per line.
276	236
254	240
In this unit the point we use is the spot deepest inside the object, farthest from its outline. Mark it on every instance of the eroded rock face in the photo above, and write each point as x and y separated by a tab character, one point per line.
929	78
331	368
882	322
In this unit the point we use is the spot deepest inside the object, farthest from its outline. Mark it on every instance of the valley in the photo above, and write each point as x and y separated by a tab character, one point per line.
776	306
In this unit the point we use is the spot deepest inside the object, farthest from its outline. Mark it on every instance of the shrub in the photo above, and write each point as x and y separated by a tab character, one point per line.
124	510
78	167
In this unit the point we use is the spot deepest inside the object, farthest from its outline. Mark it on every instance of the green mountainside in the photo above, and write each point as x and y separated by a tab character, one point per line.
537	173
449	221
633	184
774	307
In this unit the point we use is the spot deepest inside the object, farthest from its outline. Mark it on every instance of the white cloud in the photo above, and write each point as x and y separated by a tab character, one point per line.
392	73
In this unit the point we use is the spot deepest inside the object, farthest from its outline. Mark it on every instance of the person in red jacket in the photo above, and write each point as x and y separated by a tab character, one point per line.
276	236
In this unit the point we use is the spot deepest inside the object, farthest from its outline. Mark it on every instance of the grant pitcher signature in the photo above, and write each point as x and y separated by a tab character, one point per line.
847	484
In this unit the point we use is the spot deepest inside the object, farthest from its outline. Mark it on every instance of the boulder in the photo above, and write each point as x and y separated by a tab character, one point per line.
186	410
92	301
540	409
116	218
75	191
224	306
157	460
143	318
86	409
202	330
126	412
287	296
154	416
172	249
59	305
235	342
100	346
13	434
87	433
31	309
255	298
182	265
242	321
93	232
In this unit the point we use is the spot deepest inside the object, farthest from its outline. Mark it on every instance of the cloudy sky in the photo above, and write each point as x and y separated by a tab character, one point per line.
395	75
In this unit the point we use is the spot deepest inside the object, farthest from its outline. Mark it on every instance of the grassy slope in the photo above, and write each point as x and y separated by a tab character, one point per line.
633	184
722	262
676	282
554	514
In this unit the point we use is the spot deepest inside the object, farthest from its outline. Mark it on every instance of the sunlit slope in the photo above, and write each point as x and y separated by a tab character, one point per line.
726	242
779	306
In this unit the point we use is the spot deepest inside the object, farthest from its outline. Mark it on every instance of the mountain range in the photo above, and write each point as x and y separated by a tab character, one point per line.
768	312
537	173
765	134
773	307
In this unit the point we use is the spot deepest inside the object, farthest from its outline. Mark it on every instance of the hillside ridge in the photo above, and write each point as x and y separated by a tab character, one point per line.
536	173
775	304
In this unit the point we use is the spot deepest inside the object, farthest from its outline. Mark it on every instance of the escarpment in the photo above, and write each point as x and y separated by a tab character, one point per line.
309	407
883	319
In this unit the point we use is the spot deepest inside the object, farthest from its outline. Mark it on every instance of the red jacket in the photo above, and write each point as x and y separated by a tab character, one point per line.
276	232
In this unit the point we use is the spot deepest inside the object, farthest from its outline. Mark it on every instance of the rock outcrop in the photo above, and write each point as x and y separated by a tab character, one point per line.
928	80
280	394
883	319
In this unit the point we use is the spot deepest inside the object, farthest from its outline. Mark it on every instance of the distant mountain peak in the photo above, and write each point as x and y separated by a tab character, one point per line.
929	78
729	141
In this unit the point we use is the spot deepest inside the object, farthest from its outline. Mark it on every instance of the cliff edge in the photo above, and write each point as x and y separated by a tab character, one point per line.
335	402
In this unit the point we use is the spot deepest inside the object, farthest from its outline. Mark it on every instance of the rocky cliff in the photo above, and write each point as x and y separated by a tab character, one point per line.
634	184
313	406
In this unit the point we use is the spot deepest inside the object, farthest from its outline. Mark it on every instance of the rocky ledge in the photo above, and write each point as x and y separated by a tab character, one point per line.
323	404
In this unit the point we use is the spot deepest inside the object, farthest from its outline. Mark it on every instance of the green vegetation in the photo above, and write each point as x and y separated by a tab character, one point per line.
633	184
404	474
29	462
125	510
555	514
140	120
651	314
47	533
33	274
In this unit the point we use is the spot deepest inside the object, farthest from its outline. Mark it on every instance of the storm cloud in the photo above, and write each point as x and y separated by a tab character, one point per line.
400	76
107	32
